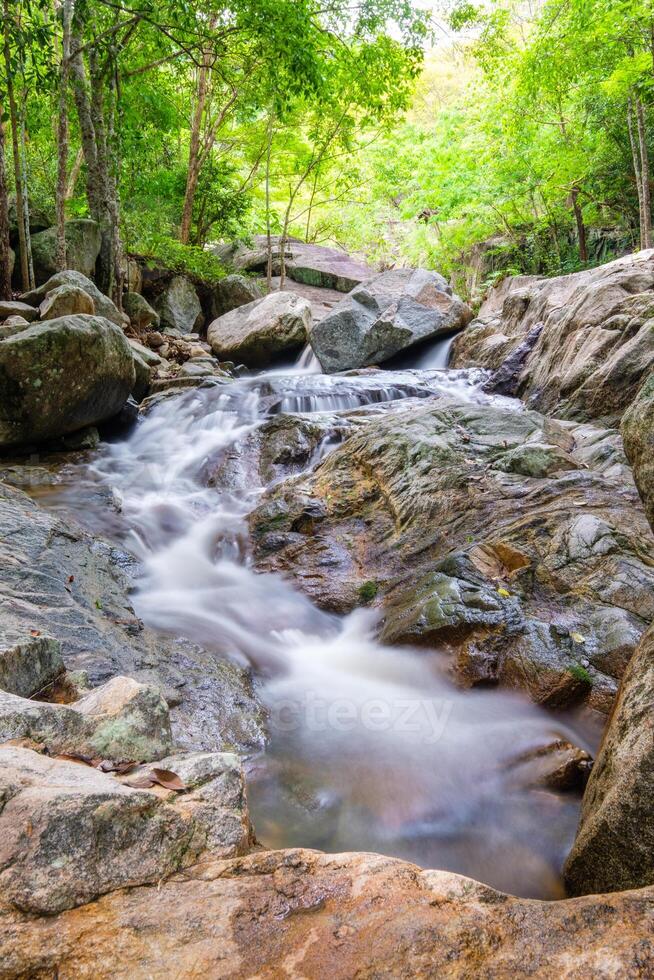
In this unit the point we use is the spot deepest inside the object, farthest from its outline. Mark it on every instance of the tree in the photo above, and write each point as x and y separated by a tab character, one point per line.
5	248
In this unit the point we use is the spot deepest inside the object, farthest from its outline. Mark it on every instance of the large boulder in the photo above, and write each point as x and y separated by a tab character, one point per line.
58	582
385	315
638	434
516	542
69	833
614	847
313	265
260	332
83	240
577	346
300	913
66	300
70	277
178	306
59	376
231	292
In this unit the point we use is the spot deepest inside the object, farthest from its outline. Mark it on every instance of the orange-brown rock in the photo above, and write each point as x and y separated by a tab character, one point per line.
305	914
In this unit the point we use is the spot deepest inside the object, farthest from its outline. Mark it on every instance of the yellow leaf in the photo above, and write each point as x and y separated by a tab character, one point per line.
578	638
504	593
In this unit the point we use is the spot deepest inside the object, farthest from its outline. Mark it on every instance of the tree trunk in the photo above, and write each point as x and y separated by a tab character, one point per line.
81	93
5	271
74	174
22	209
105	265
193	174
644	162
268	235
62	136
581	228
113	167
637	168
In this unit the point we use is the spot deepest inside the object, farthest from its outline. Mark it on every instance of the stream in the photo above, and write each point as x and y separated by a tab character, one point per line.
371	748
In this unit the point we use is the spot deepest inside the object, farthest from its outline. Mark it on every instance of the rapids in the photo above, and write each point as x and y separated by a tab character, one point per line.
371	748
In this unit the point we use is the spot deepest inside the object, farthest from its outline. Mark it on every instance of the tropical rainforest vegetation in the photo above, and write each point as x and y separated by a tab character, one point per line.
520	141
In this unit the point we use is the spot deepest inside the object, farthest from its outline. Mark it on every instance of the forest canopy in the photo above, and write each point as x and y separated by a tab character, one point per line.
500	136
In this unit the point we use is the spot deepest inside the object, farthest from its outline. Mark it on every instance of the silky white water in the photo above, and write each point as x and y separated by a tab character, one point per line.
371	748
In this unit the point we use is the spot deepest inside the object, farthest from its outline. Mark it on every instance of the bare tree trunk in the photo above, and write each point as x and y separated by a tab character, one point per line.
644	162
5	252
26	213
268	235
193	173
105	266
310	208
62	135
22	209
74	174
82	95
581	228
637	168
113	196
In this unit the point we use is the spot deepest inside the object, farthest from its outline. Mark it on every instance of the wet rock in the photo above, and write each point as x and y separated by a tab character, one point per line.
92	618
61	375
28	664
558	766
231	292
9	308
262	331
385	315
69	833
178	306
577	346
505	380
65	300
614	847
541	577
638	434
122	719
340	916
142	316
70	277
83	240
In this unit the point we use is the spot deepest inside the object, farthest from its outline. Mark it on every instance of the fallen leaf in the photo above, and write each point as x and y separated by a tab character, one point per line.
141	782
169	780
35	632
120	767
578	638
504	593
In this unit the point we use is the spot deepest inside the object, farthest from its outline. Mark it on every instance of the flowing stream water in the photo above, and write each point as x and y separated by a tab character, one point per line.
371	748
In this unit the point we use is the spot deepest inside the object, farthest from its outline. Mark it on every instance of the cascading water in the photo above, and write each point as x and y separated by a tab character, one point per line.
371	748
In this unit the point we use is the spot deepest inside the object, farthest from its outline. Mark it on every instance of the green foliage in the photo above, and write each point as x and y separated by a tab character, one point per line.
368	591
189	259
580	673
330	126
